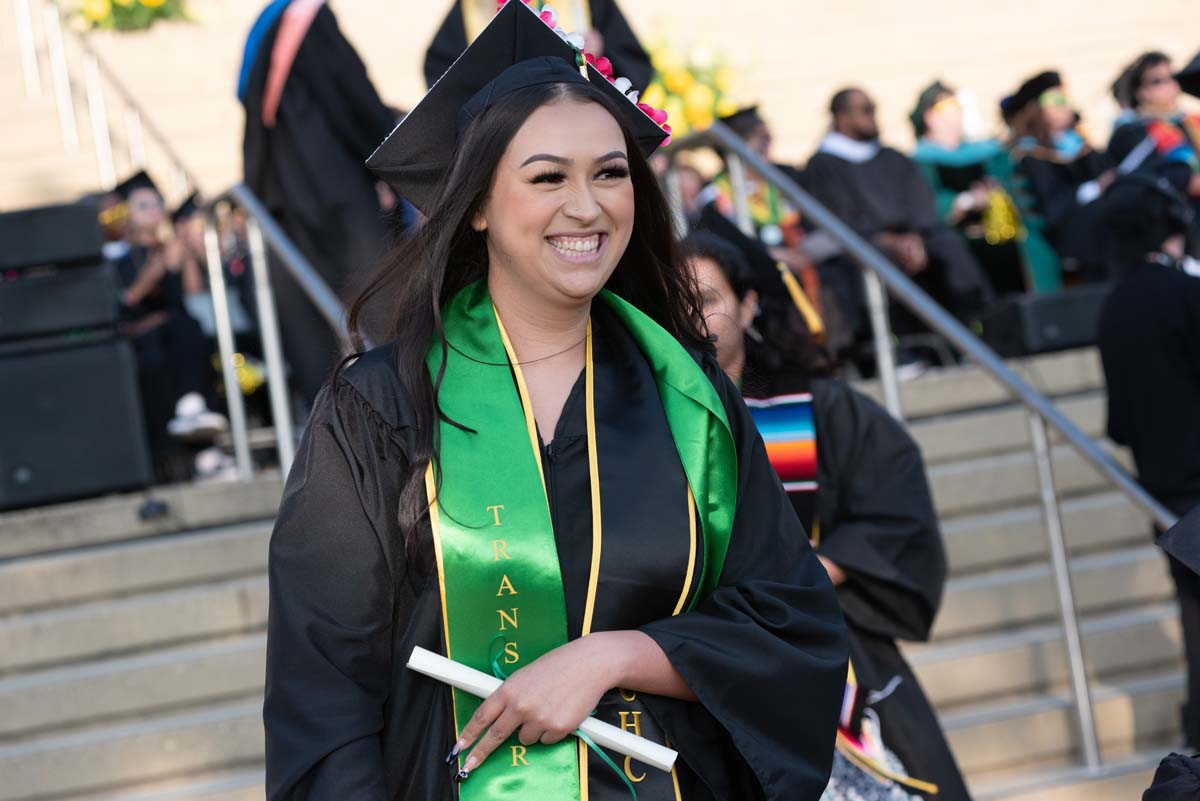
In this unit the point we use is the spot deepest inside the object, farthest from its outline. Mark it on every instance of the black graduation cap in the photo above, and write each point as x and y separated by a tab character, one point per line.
1033	88
187	208
743	121
1182	540
1189	77
139	180
516	49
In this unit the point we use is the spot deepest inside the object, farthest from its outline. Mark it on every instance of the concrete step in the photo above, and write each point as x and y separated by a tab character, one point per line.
1034	659
1013	597
967	435
128	625
968	387
116	517
121	569
132	686
1117	780
1129	715
997	482
107	759
1018	535
245	784
241	785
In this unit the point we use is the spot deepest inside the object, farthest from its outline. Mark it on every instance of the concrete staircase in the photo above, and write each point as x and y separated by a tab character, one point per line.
131	651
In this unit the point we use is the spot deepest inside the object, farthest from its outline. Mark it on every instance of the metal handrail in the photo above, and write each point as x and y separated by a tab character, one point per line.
263	232
879	272
903	289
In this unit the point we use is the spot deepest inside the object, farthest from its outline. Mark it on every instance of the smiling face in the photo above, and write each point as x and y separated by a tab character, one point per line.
560	211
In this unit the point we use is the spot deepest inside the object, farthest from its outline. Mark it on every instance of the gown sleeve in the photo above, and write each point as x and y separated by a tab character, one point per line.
766	653
877	516
329	628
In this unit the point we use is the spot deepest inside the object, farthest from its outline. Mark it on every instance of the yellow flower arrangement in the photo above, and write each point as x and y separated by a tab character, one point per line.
693	88
128	15
95	10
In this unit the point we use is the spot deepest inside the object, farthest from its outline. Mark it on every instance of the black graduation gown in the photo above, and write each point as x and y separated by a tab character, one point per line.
879	525
888	193
621	45
765	654
309	171
1054	185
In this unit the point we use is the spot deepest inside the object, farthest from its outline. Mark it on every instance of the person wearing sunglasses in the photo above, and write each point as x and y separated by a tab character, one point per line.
1153	135
1060	171
973	184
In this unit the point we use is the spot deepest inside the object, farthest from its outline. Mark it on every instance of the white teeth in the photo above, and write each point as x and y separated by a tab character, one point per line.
576	244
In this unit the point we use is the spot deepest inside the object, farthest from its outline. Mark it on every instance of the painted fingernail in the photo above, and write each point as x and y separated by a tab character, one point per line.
454	752
462	776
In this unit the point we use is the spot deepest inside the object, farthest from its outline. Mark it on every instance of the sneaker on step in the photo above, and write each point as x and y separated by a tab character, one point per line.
213	465
194	422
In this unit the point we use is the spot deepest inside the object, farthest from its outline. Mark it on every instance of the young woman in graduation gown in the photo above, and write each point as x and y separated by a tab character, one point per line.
606	533
857	481
1058	168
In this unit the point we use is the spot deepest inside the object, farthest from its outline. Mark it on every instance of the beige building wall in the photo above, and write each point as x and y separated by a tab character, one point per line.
790	55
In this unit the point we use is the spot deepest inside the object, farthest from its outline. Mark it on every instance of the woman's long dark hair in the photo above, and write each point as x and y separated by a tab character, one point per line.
781	353
421	274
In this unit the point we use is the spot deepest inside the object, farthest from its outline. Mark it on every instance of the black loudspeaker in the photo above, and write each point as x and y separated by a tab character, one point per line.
70	421
40	302
1030	324
58	235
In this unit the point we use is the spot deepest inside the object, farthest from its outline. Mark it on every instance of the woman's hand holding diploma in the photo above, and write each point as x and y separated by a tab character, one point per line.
549	698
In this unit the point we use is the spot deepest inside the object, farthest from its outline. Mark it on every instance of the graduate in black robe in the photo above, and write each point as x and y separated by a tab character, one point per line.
1057	168
1149	339
346	719
308	131
864	498
620	43
733	614
881	194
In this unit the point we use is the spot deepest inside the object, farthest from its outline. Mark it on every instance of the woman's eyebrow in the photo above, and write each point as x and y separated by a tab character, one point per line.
546	157
615	154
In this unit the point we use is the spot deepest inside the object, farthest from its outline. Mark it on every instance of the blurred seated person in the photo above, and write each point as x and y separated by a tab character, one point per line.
1153	135
172	353
1149	338
1061	172
776	223
605	34
881	194
857	481
973	184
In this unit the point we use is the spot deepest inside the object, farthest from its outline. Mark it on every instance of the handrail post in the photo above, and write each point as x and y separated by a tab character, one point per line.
62	80
268	327
25	41
675	200
885	358
233	391
1066	597
134	139
99	115
741	193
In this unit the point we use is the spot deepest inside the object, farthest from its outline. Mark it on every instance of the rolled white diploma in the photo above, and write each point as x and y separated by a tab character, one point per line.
482	685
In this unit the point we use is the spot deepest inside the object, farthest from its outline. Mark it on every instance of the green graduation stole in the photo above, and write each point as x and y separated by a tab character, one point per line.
498	572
